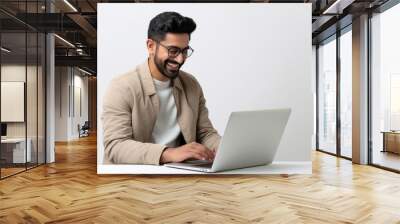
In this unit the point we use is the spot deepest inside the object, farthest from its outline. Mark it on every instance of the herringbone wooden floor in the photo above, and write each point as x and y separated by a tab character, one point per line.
70	191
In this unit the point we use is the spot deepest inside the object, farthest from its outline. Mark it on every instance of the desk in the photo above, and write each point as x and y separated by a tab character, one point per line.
277	167
391	141
13	150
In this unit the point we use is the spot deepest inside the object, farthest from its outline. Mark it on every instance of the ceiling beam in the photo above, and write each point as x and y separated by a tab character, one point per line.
84	61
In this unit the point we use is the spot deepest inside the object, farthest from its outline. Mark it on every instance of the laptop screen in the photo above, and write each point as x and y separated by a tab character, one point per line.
3	129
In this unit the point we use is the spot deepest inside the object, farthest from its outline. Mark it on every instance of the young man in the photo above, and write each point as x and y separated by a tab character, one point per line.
156	113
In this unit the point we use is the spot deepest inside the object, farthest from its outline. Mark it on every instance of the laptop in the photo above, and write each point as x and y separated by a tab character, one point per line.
251	138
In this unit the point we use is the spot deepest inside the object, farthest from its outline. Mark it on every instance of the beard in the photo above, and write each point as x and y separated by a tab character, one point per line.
168	67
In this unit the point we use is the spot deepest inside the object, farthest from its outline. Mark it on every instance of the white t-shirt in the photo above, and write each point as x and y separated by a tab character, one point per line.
166	130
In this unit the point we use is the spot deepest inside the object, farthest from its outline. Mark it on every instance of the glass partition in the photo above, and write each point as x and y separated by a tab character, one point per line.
32	95
385	89
22	77
327	96
41	97
14	153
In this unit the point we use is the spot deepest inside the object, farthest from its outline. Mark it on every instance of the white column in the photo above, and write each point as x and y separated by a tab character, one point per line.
360	90
50	100
50	92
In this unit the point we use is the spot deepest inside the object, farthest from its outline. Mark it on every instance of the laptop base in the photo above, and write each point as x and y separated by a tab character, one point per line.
200	167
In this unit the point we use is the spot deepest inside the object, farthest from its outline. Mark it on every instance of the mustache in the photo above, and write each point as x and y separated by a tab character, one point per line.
173	62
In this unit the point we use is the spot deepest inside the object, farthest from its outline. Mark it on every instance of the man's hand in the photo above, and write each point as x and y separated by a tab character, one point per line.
192	150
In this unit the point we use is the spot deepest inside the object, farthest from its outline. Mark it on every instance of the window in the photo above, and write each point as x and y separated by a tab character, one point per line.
327	96
346	93
385	89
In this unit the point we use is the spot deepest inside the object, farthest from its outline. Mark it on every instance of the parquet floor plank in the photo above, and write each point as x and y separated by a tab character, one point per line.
70	191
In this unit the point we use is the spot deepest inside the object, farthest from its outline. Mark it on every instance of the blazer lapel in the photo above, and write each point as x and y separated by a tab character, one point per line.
150	91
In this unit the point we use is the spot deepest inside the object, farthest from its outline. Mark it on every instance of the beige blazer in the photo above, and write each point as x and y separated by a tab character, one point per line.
130	107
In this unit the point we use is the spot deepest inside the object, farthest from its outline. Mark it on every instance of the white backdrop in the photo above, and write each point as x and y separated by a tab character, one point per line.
247	56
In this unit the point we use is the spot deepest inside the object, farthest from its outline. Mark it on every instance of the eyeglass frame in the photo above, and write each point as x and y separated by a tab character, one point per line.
180	50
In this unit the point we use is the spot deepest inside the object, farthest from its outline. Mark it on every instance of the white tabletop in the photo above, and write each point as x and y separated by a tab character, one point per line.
278	167
13	140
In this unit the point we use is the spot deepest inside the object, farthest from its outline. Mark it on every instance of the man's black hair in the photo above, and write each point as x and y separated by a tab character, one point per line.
169	22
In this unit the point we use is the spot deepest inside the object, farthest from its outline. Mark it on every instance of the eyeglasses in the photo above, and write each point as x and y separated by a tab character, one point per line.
173	52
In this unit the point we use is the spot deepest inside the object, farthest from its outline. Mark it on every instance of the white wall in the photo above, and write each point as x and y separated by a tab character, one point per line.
68	81
80	84
61	103
247	57
13	93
